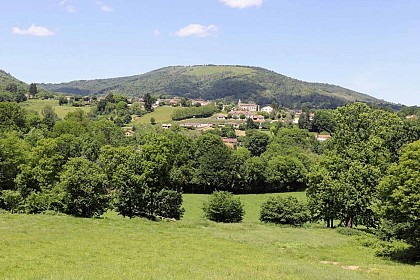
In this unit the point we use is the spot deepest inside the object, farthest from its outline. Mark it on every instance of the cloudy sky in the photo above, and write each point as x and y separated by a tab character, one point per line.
369	46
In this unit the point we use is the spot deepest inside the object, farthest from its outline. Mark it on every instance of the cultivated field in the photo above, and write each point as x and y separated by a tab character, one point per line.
38	104
63	247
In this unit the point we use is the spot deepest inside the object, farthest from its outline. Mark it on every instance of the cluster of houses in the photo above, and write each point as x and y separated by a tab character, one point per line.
236	117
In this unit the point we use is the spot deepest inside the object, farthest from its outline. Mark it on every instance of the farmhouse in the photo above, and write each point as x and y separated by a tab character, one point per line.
267	109
247	106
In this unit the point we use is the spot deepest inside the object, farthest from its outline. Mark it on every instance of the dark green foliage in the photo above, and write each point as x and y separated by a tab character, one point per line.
285	173
84	188
169	204
33	89
221	82
212	164
304	121
256	142
148	102
284	210
223	207
324	120
194	112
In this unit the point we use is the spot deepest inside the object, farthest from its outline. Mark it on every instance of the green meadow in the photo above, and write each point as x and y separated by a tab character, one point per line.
38	104
112	247
161	114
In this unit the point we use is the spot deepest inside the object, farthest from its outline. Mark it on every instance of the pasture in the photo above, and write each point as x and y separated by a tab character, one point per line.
61	111
64	247
161	114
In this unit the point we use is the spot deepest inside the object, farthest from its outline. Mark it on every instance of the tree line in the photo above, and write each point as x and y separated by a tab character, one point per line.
366	174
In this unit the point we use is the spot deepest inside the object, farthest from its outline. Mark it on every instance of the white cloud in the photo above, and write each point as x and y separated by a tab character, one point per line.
156	32
105	8
71	9
63	2
33	30
197	30
67	5
241	4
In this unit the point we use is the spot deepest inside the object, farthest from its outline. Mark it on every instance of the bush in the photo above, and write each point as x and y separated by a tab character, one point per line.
223	207
287	210
11	201
169	204
39	202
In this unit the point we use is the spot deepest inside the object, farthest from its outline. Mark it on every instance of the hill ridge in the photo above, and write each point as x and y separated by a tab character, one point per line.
227	82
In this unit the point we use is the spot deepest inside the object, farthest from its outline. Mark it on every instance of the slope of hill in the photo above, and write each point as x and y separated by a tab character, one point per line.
220	82
11	89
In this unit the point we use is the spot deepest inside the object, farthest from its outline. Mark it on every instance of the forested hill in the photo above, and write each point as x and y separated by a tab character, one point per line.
11	89
220	82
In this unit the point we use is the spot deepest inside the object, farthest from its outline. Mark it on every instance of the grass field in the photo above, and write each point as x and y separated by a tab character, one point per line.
62	247
38	104
211	70
161	114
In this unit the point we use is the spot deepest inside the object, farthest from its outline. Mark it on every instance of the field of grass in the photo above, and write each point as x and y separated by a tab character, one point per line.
161	114
38	104
63	247
211	70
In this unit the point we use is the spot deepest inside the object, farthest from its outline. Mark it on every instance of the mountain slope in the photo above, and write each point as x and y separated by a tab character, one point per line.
11	89
220	82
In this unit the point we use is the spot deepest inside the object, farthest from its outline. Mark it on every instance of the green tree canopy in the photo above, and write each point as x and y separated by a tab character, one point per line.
399	197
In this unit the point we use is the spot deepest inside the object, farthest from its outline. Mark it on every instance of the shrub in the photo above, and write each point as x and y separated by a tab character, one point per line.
39	202
223	207
11	201
169	204
287	210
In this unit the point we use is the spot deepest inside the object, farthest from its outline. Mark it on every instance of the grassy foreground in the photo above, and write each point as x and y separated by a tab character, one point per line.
62	247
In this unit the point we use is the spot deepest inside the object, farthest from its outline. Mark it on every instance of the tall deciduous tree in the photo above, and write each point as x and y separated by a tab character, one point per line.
399	197
84	187
213	160
343	186
256	142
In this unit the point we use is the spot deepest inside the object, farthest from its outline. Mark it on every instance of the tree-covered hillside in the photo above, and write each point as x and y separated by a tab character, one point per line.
11	89
220	82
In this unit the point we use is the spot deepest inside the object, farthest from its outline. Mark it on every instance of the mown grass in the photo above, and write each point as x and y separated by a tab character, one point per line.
161	114
63	247
38	104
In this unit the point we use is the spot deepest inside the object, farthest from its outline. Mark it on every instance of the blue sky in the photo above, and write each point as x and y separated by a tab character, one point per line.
370	46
